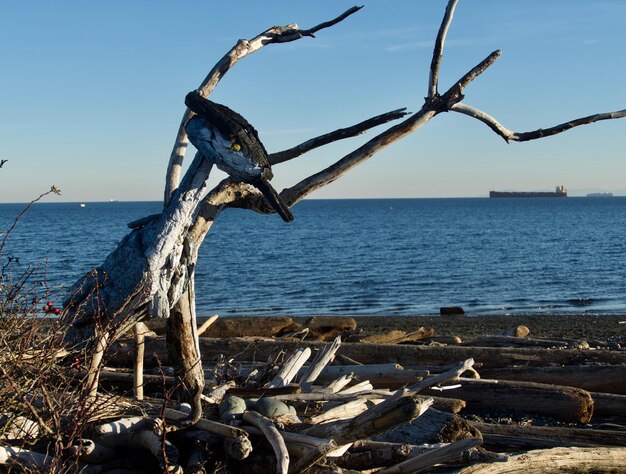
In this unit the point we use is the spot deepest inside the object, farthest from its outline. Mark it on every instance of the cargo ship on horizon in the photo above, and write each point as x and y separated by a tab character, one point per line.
559	192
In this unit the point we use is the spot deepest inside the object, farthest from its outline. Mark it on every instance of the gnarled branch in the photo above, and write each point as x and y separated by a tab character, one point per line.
243	48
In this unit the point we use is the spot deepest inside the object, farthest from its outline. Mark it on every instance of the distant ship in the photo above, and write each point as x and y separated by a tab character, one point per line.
600	195
560	192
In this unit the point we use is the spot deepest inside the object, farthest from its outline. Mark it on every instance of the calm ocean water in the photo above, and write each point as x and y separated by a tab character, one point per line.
379	257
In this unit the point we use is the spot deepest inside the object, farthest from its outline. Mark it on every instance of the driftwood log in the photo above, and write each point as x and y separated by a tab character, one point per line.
595	378
433	426
596	460
568	404
405	355
518	437
608	405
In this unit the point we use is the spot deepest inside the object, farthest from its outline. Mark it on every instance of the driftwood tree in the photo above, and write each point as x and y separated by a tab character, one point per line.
151	272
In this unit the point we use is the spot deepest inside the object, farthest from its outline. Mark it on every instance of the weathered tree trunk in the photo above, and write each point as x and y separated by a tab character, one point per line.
184	350
150	273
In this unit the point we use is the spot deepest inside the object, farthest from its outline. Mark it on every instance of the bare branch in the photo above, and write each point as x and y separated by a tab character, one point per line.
435	64
510	135
358	156
541	133
328	24
248	198
340	134
243	48
478	69
485	118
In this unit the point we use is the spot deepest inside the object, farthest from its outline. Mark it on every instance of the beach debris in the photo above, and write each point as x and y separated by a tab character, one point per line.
451	311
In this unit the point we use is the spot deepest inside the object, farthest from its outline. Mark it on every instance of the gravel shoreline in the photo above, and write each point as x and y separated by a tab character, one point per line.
578	326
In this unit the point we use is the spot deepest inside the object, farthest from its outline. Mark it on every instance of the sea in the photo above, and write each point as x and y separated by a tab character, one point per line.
391	257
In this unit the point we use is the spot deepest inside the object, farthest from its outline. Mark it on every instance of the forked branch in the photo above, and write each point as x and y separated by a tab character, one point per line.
510	135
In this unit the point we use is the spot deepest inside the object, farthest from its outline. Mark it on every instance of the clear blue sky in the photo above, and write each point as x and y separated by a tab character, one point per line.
91	93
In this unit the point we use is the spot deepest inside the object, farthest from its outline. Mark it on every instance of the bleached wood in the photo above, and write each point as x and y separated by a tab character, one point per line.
298	444
17	427
273	436
243	48
139	330
510	135
557	460
206	425
435	63
10	455
290	368
90	452
339	383
363	386
122	425
342	412
447	376
102	342
435	456
322	358
380	418
207	324
379	375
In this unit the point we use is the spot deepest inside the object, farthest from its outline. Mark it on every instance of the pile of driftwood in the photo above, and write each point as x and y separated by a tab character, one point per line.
324	397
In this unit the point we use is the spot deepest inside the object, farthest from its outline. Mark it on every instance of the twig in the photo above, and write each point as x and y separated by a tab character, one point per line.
53	190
